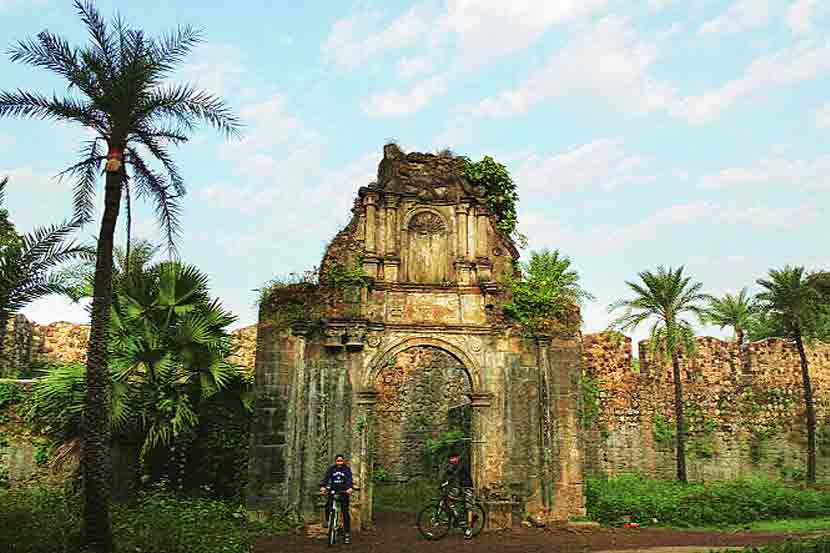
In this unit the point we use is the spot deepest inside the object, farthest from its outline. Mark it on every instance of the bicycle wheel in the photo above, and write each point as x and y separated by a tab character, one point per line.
479	519
434	521
334	520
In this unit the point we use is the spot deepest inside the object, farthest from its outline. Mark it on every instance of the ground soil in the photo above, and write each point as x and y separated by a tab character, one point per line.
396	533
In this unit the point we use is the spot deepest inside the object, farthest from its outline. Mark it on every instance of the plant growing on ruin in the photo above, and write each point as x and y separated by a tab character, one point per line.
735	311
501	195
546	294
788	294
29	263
665	298
118	89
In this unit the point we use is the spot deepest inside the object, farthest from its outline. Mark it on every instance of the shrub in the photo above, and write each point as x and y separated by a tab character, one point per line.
719	503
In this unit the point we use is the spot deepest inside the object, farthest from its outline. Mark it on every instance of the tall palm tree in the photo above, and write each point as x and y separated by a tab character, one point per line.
789	295
665	297
734	311
116	90
28	263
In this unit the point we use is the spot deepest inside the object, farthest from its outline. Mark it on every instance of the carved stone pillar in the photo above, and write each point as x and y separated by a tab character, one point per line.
371	220
362	461
461	219
482	245
471	234
547	443
391	269
391	204
358	212
480	404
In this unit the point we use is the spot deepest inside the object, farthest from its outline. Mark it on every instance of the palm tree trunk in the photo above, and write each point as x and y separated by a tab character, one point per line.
129	228
97	471
678	416
810	409
739	336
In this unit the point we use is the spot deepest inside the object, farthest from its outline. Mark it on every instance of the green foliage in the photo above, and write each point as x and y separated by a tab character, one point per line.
546	292
28	263
735	311
663	431
11	393
688	505
379	474
502	198
790	300
437	449
758	437
589	406
44	520
409	497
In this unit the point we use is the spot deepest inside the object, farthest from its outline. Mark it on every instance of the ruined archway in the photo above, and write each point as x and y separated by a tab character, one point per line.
423	393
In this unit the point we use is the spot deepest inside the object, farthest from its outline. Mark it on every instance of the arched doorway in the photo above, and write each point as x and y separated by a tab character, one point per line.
423	395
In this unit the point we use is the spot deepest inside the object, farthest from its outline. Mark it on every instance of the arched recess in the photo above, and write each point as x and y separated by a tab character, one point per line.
428	246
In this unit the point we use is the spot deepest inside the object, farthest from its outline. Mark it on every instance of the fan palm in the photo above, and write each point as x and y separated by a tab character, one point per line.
27	265
117	90
788	294
665	298
734	311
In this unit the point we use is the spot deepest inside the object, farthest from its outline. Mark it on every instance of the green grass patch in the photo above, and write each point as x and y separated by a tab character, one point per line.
47	520
404	498
815	545
715	504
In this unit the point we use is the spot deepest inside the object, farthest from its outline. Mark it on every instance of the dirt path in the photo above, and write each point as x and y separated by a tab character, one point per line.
396	533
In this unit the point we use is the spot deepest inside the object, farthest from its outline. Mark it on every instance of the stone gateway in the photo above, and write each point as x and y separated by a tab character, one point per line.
373	367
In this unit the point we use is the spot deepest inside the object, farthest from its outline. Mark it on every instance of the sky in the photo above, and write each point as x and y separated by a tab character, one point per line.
639	132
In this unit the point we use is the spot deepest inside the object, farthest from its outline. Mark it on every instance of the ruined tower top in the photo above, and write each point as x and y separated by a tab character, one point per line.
422	222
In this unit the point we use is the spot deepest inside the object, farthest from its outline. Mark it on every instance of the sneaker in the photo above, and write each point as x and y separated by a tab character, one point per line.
347	539
468	533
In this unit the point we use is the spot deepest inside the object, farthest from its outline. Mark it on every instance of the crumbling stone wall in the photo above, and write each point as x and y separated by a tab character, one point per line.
744	408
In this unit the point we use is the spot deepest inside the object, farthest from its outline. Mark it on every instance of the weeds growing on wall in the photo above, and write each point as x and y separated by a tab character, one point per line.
589	406
502	198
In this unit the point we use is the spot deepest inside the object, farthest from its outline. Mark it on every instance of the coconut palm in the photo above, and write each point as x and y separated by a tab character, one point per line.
789	295
28	263
734	311
665	298
117	91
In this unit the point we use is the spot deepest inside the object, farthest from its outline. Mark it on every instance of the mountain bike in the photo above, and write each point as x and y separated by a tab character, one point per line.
335	521
447	512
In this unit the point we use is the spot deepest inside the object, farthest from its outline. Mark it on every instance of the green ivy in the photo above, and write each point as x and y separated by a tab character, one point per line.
502	197
589	407
662	430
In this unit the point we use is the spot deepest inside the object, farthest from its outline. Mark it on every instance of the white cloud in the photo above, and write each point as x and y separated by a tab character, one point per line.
608	61
743	15
802	15
803	61
477	32
394	103
775	170
352	41
216	68
770	217
823	116
6	140
413	66
604	163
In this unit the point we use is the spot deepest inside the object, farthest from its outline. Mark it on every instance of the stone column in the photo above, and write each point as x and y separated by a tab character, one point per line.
482	245
541	509
391	204
371	229
358	212
461	218
480	404
362	461
471	234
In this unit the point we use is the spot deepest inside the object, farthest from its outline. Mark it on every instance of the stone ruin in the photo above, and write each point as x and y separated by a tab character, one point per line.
417	348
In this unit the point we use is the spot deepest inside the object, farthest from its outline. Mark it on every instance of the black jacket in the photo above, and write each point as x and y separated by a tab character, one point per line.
337	478
458	473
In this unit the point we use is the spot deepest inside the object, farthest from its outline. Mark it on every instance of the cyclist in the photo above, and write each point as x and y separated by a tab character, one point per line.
338	478
459	474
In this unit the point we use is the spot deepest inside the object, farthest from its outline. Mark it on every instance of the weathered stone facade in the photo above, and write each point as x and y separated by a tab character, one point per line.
744	408
422	339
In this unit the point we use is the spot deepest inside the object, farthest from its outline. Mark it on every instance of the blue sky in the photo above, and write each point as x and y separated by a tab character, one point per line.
639	133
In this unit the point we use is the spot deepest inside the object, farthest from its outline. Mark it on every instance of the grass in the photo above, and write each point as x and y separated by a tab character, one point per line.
815	545
717	504
47	520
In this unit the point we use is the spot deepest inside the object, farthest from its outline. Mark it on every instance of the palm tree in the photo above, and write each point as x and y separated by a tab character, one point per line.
28	263
116	90
789	295
665	297
734	311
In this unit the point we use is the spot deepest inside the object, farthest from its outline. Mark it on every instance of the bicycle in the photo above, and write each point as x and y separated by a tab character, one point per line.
335	521
437	519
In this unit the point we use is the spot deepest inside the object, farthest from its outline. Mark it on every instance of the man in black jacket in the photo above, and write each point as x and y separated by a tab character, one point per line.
459	474
339	479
